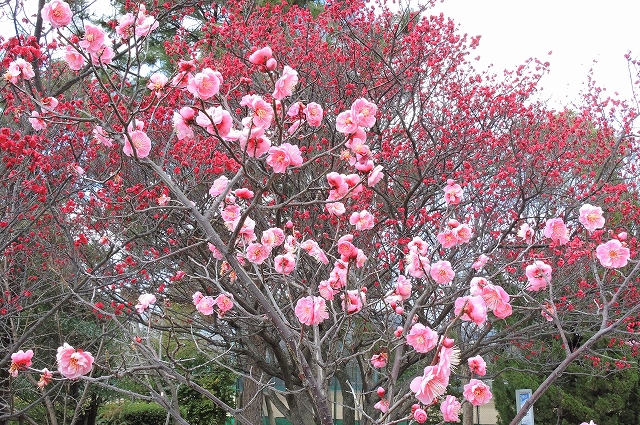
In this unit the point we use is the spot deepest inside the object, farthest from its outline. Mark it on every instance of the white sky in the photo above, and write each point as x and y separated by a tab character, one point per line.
577	31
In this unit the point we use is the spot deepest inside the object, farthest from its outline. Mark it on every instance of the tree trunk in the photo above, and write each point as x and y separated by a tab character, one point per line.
467	414
348	402
251	400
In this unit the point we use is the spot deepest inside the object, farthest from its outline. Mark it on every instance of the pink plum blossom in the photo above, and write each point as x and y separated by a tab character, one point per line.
538	274
73	363
285	84
418	245
363	220
215	120
450	409
57	13
335	208
139	141
314	250
346	123
215	253
219	186
448	238
204	304
125	26
473	309
103	56
19	68
452	193
272	237
375	175
45	378
442	272
181	121
353	301
37	122
49	103
403	288
416	265
431	385
556	230
422	338
477	365
262	112
157	82
526	232
284	264
313	113
420	416
93	40
144	301
255	145
283	156
497	300
382	405
379	360
145	24
224	303
20	360
480	262
477	392
257	253
613	254
260	56
591	217
73	58
311	310
206	84
364	112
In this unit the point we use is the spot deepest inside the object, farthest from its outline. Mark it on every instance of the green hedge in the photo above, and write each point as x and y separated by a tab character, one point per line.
132	413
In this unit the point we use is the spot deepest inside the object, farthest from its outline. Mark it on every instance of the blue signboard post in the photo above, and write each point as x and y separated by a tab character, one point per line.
521	398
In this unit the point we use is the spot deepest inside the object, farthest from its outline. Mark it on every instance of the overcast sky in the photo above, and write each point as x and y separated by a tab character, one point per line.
576	31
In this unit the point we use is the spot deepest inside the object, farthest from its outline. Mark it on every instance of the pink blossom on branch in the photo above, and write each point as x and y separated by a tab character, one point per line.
73	363
45	378
139	141
286	83
452	193
20	360
144	301
477	392
379	360
206	84
283	156
422	338
431	385
313	113
612	254
364	112
363	220
73	58
57	13
473	309
477	365
538	274
353	301
442	272
556	230
591	217
204	304
450	409
93	40
260	56
311	310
